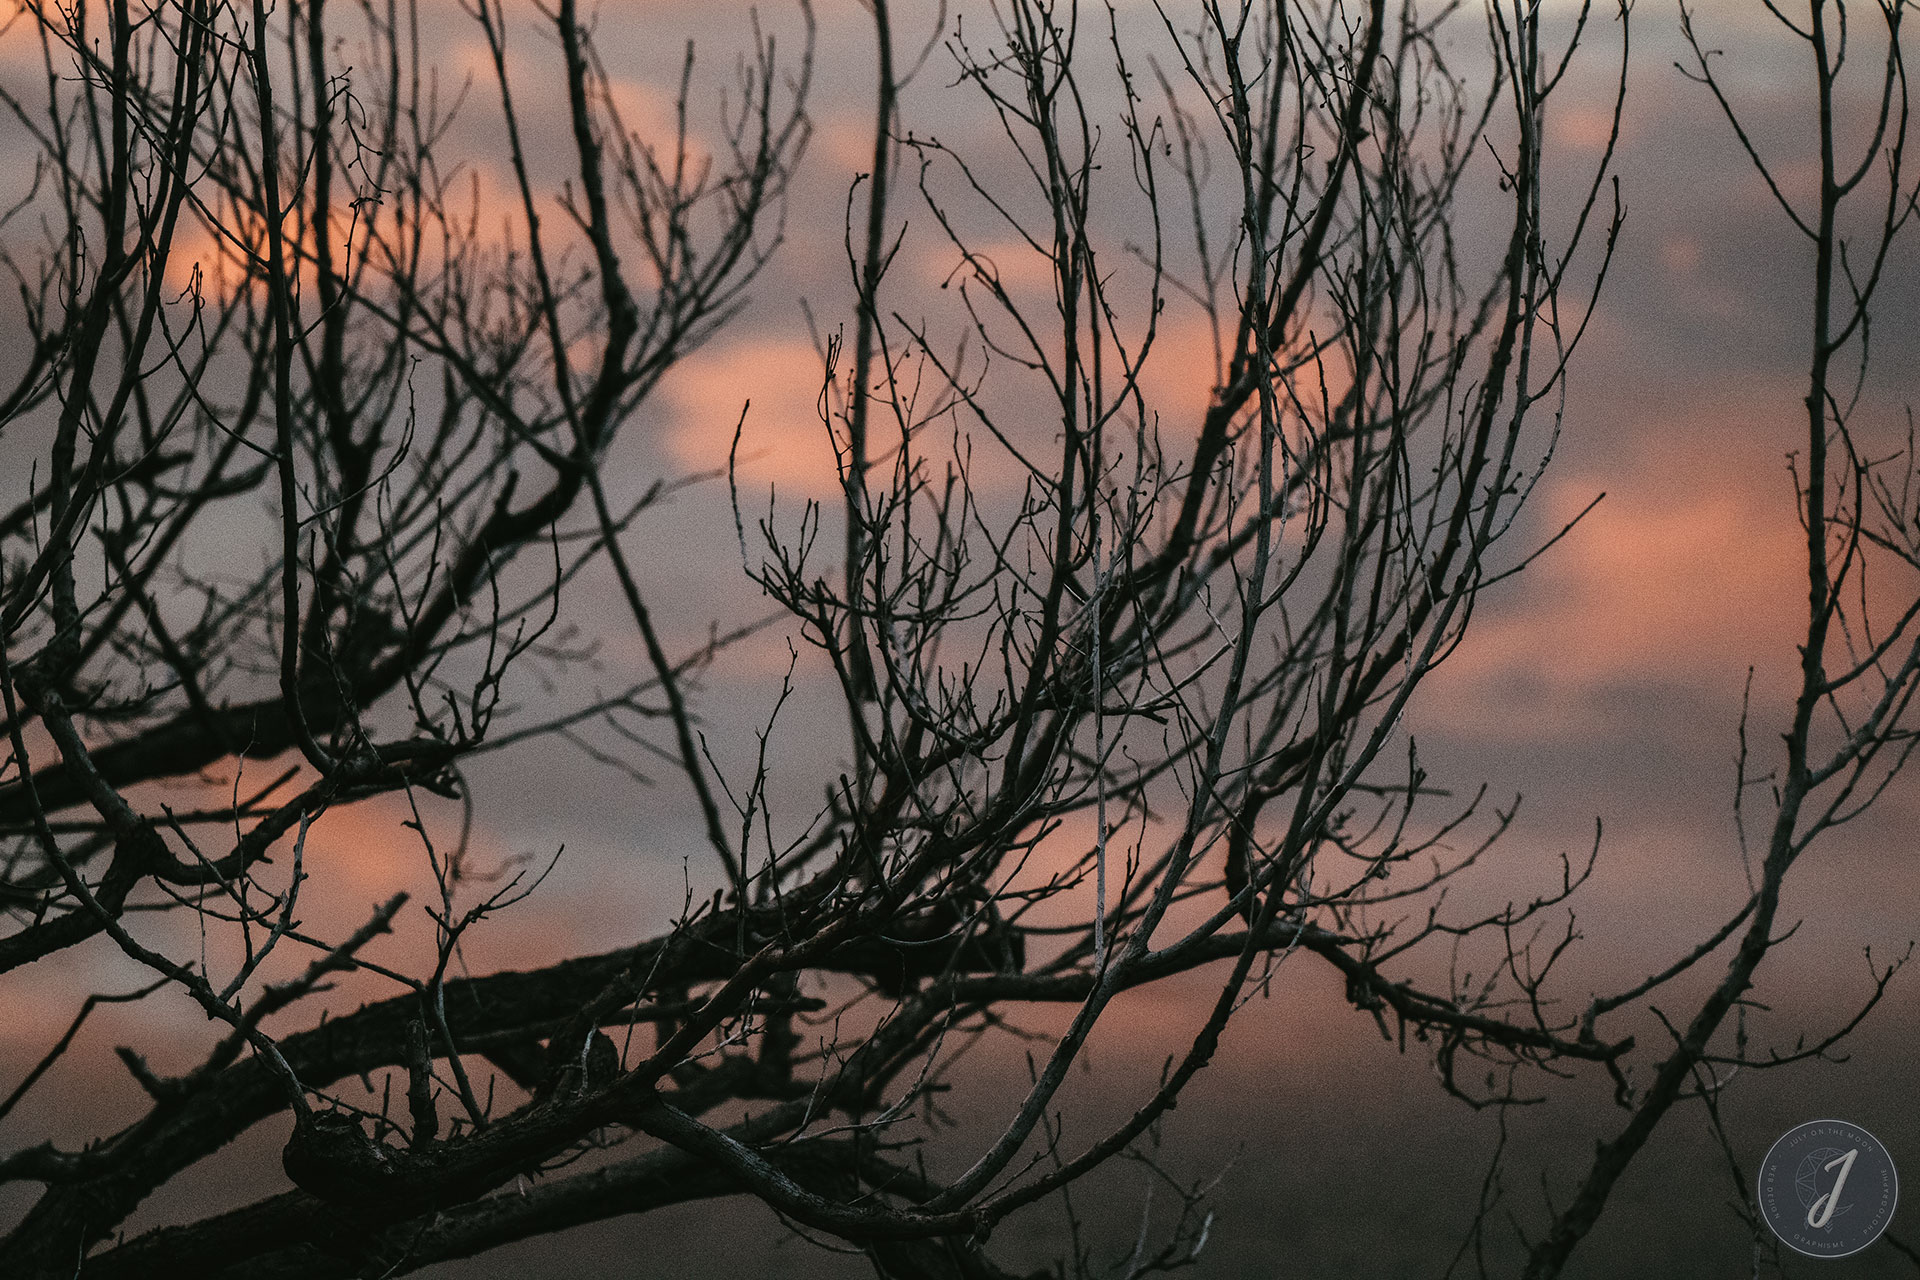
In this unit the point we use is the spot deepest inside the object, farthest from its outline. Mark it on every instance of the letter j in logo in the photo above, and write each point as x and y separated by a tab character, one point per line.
1827	1188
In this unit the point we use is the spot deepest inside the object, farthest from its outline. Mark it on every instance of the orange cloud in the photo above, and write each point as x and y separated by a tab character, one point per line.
1686	574
776	382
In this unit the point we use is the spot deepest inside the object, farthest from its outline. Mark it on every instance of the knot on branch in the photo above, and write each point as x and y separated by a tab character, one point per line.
330	1157
584	1067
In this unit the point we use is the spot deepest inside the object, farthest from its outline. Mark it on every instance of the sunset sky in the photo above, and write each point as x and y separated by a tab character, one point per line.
1603	684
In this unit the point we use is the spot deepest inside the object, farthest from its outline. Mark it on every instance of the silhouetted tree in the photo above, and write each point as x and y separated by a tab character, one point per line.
1132	715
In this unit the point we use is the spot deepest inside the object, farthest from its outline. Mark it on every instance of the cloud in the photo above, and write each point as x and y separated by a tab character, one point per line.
770	388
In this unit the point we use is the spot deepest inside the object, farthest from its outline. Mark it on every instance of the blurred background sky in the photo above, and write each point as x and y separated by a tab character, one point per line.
1604	684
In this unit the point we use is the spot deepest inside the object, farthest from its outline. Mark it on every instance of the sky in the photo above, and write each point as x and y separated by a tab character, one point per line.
1603	685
